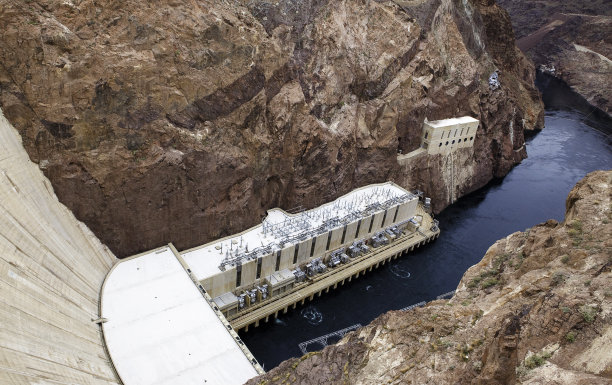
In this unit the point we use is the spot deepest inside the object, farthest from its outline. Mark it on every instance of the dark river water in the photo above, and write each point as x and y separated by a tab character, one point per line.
534	191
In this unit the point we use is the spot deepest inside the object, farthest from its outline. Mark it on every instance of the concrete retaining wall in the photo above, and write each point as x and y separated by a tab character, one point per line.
51	271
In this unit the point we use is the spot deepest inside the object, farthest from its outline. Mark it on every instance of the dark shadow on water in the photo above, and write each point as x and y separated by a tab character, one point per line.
558	96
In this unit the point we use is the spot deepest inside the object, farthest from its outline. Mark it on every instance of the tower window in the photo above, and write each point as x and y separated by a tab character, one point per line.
258	273
312	247
238	275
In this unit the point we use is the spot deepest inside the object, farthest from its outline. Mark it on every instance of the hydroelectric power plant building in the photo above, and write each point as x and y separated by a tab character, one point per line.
269	259
169	314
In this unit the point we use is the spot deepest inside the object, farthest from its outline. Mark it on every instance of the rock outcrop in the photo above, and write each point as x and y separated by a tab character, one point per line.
535	310
570	40
183	121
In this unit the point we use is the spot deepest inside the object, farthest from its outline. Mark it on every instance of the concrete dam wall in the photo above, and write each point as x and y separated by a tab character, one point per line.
51	271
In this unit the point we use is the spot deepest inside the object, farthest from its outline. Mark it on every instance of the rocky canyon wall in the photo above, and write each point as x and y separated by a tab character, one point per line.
535	310
572	41
183	121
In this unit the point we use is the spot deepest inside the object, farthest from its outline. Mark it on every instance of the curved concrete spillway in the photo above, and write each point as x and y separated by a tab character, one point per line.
51	270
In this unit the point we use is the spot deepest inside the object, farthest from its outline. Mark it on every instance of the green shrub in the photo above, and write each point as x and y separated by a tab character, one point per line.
558	278
535	360
489	282
570	337
588	313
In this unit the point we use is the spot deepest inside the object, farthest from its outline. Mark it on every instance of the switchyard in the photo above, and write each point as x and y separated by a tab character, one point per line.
177	313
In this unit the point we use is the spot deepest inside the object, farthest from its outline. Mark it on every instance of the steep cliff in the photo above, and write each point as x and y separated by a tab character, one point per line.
535	310
186	120
570	40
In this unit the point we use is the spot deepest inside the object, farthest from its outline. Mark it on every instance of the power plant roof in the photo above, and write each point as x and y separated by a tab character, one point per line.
280	228
451	121
160	329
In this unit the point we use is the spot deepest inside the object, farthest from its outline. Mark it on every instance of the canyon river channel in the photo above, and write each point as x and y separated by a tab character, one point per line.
566	150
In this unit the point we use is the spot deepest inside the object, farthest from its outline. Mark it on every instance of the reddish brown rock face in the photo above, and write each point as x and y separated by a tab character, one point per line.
185	121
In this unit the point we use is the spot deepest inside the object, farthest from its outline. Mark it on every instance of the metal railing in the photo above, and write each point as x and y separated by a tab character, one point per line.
322	340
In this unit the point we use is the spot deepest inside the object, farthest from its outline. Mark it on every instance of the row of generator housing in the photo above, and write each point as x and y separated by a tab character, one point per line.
284	280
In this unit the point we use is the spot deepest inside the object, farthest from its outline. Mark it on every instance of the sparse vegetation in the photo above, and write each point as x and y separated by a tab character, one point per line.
531	362
588	313
558	278
489	282
570	337
535	360
478	279
464	352
565	259
575	232
499	261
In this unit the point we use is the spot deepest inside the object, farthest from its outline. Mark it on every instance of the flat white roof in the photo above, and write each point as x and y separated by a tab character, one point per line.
204	261
452	121
162	331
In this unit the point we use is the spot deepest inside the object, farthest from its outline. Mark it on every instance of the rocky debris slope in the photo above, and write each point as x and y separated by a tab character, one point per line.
571	41
184	121
536	310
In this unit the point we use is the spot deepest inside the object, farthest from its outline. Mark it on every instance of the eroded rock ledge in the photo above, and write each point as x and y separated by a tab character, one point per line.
536	310
184	121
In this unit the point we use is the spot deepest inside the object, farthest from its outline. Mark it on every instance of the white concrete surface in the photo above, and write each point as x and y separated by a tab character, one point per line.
452	121
204	261
448	135
162	331
51	271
